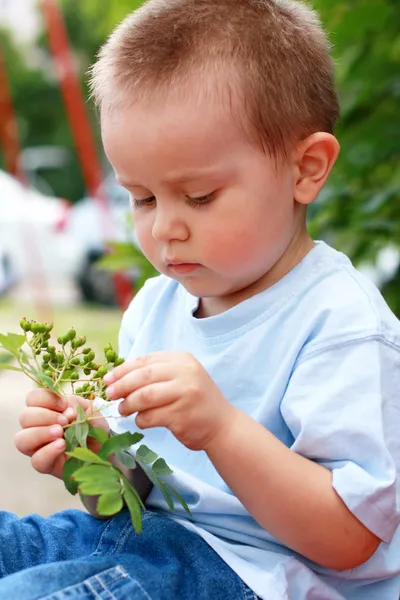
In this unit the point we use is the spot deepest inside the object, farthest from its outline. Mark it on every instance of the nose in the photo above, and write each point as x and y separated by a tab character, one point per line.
168	225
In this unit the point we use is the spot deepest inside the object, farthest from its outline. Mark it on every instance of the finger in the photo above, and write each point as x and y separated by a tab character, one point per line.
139	363
38	417
138	378
28	441
44	459
149	397
156	417
72	403
45	399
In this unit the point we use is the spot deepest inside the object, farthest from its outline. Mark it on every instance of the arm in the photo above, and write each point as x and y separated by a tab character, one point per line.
290	496
136	477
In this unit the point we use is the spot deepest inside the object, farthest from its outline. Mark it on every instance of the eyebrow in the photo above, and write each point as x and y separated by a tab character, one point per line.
183	177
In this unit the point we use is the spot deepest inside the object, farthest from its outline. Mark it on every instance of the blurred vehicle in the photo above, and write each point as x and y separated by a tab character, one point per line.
92	223
6	274
33	233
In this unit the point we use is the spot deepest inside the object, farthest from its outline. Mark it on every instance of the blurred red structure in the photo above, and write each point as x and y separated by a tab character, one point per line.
9	139
80	126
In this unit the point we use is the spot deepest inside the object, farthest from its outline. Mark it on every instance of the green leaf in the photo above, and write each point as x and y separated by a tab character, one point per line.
82	429
134	508
9	368
45	380
126	459
146	455
96	473
98	434
119	442
161	468
94	488
70	438
70	467
87	456
178	497
110	504
12	342
166	495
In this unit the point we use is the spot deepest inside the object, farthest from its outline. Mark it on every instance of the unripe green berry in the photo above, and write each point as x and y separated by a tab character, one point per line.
71	334
51	349
25	325
87	371
74	376
47	357
60	339
35	327
111	356
75	362
118	362
45	344
48	373
86	350
60	358
49	327
44	365
89	357
101	372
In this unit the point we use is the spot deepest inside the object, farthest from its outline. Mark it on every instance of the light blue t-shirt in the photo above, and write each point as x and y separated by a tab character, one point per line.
316	360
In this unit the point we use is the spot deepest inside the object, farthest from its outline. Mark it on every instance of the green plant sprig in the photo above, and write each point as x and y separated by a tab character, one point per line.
69	361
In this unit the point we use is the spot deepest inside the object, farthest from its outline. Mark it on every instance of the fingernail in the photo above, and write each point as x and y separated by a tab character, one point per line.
109	378
69	413
56	431
59	443
110	392
62	420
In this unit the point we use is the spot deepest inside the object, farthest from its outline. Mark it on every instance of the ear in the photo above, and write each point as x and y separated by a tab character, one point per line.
314	159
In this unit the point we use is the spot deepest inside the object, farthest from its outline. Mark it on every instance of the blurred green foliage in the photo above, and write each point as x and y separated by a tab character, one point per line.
359	210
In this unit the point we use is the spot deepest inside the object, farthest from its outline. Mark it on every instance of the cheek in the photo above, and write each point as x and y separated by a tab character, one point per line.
144	227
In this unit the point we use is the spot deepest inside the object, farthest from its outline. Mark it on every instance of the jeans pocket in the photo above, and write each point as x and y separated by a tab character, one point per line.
112	584
248	594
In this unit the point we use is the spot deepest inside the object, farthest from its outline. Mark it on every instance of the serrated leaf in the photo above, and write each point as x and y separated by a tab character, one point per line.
122	441
12	342
126	459
70	467
109	504
98	434
178	497
81	429
161	468
146	455
94	488
134	508
87	456
96	473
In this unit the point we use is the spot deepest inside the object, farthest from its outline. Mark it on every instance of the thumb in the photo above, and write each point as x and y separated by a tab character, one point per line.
73	402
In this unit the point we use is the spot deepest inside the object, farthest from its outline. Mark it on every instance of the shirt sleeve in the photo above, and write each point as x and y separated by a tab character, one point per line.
342	406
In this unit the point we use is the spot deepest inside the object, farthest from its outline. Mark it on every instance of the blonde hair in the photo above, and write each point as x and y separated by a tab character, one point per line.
273	55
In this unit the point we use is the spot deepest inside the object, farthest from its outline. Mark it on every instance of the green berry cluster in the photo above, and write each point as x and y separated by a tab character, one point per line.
72	362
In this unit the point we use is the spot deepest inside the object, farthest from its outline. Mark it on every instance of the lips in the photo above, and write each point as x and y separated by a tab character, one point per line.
181	268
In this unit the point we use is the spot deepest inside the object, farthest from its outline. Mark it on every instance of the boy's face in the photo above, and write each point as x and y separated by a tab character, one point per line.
211	210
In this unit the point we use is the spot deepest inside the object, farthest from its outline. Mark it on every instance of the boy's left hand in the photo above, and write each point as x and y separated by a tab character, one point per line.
173	390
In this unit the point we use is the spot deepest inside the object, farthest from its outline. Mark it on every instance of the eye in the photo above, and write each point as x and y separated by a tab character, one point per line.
200	201
142	203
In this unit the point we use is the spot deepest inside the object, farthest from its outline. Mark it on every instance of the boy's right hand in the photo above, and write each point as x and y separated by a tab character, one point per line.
42	432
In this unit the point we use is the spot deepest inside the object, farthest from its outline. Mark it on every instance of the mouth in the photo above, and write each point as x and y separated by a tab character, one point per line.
181	268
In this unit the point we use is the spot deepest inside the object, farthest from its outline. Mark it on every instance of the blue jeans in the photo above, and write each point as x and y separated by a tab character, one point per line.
72	556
